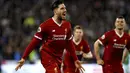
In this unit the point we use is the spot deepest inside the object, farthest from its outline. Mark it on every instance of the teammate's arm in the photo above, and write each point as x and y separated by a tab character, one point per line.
63	59
125	53
128	44
96	51
86	50
88	55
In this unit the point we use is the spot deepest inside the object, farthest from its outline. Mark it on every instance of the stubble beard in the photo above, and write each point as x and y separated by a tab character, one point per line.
60	18
120	29
77	39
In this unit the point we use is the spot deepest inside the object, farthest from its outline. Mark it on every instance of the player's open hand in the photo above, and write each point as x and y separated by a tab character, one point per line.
100	62
20	64
79	66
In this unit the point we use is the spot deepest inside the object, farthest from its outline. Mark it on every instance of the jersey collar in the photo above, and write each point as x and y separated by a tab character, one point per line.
57	22
77	43
119	34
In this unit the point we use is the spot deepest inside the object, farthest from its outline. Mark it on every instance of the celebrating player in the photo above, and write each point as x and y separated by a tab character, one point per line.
114	41
56	31
82	50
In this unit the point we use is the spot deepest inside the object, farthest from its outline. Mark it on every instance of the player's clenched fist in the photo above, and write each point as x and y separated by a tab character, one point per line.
20	64
100	62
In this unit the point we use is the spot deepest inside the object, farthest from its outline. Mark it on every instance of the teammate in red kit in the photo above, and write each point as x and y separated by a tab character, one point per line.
114	41
56	31
82	50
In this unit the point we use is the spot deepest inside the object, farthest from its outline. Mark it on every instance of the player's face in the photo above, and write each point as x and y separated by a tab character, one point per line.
61	11
120	23
78	33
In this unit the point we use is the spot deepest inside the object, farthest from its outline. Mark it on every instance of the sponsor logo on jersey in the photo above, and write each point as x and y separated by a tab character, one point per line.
79	52
119	46
59	37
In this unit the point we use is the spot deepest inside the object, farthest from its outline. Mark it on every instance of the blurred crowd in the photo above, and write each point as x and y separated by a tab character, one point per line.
19	20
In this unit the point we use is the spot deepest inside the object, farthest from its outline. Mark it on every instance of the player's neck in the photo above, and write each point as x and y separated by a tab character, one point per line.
59	21
77	39
119	31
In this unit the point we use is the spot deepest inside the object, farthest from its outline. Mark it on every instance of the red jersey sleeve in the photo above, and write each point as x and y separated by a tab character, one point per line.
41	30
71	49
30	47
104	38
70	45
35	41
86	47
69	34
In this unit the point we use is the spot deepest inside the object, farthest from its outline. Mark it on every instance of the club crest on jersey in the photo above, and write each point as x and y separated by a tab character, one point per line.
39	29
114	40
125	41
81	48
65	30
53	30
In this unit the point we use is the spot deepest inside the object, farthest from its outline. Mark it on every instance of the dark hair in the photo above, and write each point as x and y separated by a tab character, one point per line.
120	17
56	4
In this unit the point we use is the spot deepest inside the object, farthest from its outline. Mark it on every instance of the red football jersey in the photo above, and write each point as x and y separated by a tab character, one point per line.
114	45
55	36
81	47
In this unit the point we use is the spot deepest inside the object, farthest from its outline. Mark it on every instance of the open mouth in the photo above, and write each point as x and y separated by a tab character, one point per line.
64	14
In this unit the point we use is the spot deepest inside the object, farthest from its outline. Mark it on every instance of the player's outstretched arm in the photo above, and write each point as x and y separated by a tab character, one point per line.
96	52
28	50
20	64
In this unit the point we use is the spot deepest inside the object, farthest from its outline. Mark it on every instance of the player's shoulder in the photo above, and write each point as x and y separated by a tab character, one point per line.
84	40
46	22
66	22
49	20
110	32
126	34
